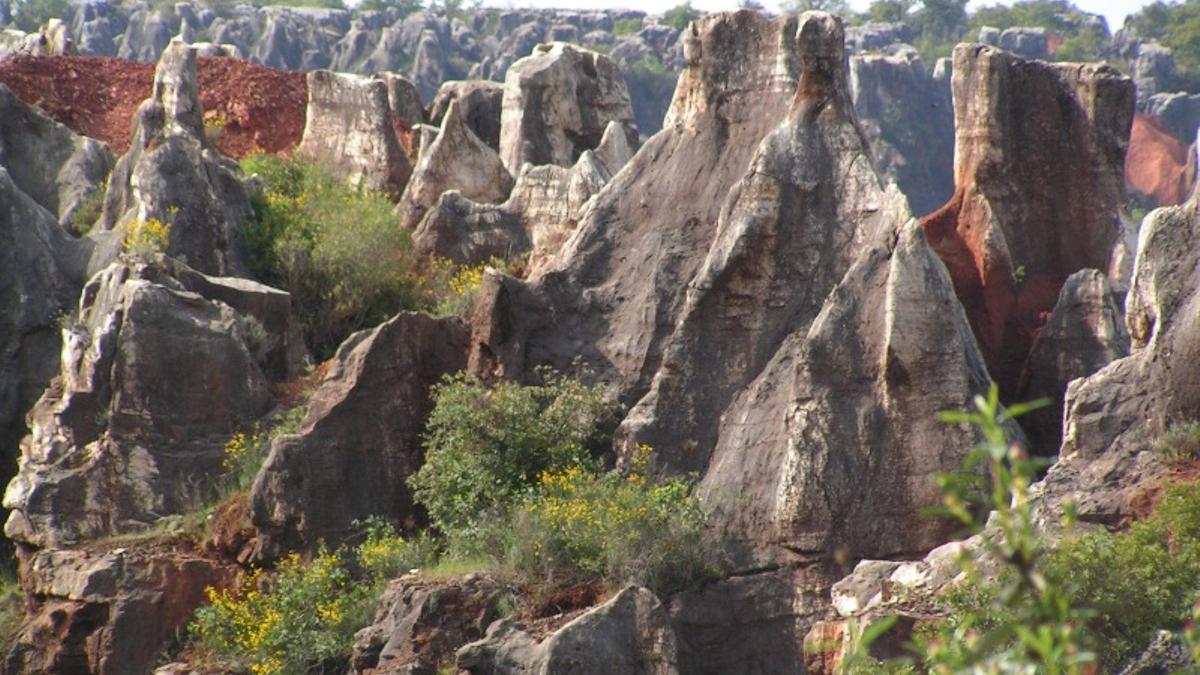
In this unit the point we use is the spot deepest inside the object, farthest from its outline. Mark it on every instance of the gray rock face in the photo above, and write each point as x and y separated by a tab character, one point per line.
1084	333
154	380
876	36
629	634
52	39
1153	70
557	103
403	99
349	128
1180	113
172	174
456	160
362	428
1111	415
47	161
1029	42
479	103
108	612
908	120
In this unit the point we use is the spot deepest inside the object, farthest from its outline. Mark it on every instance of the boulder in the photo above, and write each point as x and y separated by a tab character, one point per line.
631	631
403	99
1028	42
172	173
418	625
362	429
1084	332
1039	193
1179	113
349	128
108	612
908	120
154	380
47	161
557	103
456	160
479	103
1159	167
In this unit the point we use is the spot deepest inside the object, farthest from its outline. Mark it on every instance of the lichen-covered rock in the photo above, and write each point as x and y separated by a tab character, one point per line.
557	103
1039	157
349	128
479	103
154	380
360	438
456	160
630	634
108	612
1084	333
171	173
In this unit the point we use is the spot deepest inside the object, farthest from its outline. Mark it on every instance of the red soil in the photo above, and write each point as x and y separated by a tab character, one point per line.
1158	164
262	109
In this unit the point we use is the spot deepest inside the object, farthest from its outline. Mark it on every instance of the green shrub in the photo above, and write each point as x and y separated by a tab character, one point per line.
145	239
629	26
299	620
11	607
384	554
580	525
1179	443
245	452
338	250
486	446
88	211
31	15
679	16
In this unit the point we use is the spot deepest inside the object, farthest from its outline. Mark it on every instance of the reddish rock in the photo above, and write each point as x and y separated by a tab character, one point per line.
1039	192
1158	164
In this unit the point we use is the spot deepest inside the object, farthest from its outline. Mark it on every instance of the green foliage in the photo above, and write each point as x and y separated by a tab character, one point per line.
336	249
31	15
1058	16
627	26
384	554
890	10
88	211
145	239
1175	25
301	619
486	446
1179	443
580	524
11	607
679	16
245	452
403	7
839	7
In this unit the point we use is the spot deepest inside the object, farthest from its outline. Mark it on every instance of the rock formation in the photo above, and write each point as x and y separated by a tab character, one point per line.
1159	166
557	103
403	99
362	428
1020	221
631	631
108	612
154	380
172	174
349	129
479	103
456	160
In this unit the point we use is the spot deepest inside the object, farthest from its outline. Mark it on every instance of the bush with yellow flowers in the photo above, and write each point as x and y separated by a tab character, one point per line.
303	617
146	238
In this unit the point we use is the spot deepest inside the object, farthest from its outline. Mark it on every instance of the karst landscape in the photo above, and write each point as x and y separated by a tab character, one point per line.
404	339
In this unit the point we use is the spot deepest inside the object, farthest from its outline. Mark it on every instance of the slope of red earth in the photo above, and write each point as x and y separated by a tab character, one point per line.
1159	165
251	108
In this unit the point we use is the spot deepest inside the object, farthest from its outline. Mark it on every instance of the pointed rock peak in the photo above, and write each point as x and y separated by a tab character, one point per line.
820	40
177	90
614	149
454	128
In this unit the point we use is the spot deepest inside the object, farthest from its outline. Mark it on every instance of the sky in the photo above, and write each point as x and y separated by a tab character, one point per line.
1114	10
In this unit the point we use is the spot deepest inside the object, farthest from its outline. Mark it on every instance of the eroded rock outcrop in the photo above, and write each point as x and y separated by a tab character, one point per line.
1159	166
557	103
456	160
629	634
153	381
362	428
172	174
349	128
108	612
1039	154
479	103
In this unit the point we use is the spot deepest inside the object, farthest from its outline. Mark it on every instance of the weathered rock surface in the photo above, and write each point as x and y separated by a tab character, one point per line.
48	162
108	612
1110	417
908	120
349	128
557	103
404	101
52	39
456	160
1039	155
1178	111
419	625
629	634
1084	333
154	380
1028	42
1159	165
362	429
171	173
479	103
544	207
